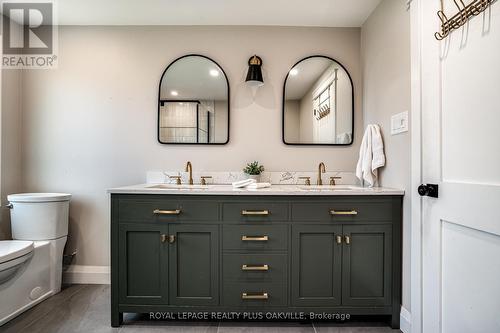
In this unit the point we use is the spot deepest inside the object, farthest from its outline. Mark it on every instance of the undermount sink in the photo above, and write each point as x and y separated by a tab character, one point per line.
326	187
180	187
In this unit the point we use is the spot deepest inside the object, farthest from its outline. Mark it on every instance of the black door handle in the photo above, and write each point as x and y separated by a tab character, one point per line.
429	190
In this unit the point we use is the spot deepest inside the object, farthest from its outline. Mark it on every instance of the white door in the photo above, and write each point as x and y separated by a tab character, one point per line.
459	119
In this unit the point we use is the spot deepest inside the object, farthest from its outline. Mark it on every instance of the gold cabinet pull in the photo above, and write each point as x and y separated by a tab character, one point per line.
163	238
254	238
255	267
343	212
347	239
263	296
171	239
264	212
339	239
167	212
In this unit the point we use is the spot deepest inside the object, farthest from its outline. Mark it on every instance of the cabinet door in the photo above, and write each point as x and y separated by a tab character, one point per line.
316	265
143	264
367	265
194	265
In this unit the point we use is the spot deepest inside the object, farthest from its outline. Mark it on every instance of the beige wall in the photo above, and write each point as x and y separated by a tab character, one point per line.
10	178
385	48
91	124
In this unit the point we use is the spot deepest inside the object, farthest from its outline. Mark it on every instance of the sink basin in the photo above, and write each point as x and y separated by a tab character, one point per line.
326	188
180	187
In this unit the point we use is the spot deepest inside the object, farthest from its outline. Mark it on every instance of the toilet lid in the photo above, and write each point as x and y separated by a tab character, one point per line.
12	249
38	197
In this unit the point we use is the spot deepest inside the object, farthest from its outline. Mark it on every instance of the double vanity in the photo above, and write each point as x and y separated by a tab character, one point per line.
311	249
287	248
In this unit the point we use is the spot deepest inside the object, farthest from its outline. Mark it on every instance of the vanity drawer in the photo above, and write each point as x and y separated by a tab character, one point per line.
343	211
167	210
253	211
255	237
254	294
255	268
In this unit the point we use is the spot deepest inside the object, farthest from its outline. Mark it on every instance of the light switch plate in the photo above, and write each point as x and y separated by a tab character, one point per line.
399	123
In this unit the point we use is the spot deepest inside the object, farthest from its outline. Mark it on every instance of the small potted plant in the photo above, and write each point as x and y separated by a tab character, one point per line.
253	170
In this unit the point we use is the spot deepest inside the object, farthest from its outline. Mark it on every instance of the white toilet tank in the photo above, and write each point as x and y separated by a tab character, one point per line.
39	216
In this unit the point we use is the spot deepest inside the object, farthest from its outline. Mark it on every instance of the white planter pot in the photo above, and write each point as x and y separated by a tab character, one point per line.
255	177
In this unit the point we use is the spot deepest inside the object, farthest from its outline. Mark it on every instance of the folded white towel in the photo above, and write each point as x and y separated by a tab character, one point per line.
255	186
344	138
371	155
243	183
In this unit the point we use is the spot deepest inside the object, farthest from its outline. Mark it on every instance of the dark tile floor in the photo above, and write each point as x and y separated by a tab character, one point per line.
85	308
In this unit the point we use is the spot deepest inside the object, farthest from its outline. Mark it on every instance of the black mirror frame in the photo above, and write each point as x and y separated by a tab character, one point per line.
283	106
228	105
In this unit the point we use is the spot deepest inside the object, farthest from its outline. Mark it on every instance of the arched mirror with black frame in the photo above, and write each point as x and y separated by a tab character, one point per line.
318	103
193	102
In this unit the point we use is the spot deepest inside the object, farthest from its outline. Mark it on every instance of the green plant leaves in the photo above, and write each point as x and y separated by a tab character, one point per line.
253	168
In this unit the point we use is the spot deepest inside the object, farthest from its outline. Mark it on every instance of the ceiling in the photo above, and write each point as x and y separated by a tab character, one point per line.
324	13
191	79
308	73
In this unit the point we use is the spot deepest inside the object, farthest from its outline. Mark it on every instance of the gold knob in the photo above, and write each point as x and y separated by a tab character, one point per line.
163	238
347	239
307	180
339	239
171	239
204	179
332	180
177	179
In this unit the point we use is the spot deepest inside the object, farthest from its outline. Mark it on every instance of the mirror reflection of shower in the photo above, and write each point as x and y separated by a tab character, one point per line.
194	102
188	121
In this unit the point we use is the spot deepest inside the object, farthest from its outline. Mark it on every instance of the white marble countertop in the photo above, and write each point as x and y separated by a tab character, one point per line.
273	190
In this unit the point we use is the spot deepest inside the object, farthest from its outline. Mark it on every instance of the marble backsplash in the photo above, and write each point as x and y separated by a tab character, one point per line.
273	177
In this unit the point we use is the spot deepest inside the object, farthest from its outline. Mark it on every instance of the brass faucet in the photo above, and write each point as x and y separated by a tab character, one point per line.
321	169
189	168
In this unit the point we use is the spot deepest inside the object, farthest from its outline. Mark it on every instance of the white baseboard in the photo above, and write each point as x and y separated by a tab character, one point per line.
80	274
405	320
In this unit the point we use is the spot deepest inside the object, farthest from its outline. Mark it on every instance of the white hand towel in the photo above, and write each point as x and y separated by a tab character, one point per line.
255	186
371	155
243	183
378	159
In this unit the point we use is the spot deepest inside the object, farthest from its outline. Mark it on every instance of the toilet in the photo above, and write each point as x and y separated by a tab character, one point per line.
31	263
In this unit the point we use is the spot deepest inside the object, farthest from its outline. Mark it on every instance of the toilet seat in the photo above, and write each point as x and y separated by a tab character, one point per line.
13	249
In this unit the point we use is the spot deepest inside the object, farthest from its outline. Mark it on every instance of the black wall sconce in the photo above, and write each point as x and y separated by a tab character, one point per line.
254	74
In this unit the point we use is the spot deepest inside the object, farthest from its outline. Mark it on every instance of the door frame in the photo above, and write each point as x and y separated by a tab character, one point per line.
416	39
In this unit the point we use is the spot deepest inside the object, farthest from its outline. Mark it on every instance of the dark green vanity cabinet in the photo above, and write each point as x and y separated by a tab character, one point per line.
142	264
316	265
154	269
197	253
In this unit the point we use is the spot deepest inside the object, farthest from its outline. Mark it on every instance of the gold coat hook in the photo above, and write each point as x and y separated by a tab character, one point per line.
465	12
